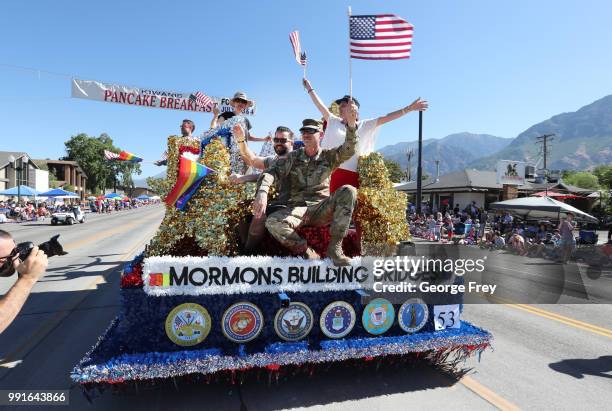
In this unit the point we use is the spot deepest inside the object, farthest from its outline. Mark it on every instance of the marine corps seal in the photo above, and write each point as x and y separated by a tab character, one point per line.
242	322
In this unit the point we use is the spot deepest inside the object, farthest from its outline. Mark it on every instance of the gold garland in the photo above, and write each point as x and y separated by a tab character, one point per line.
212	213
381	210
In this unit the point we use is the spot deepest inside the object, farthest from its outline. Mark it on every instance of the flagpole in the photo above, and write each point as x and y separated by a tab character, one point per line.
350	60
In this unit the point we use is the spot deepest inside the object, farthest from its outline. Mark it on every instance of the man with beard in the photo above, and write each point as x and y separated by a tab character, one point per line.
309	203
283	145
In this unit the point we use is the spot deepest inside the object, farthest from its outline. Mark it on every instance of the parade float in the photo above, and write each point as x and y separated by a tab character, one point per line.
193	306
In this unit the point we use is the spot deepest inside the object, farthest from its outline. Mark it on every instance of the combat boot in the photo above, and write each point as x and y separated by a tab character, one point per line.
334	251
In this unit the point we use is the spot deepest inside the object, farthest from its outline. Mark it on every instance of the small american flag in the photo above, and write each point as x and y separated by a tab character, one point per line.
163	161
109	155
380	37
201	98
300	57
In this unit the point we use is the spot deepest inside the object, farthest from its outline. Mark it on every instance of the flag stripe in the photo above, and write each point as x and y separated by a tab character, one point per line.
391	29
403	43
386	51
390	57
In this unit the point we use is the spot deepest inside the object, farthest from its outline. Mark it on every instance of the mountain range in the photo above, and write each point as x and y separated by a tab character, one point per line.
583	140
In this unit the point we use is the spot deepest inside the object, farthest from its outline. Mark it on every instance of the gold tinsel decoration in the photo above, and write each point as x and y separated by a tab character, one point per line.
213	212
381	209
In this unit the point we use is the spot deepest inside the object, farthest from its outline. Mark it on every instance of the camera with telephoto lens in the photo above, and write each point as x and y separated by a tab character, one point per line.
23	250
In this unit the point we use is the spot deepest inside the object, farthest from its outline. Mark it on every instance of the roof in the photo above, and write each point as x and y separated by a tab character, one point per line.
68	162
479	180
4	157
464	180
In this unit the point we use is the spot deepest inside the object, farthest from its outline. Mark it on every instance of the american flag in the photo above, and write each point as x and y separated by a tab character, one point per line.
201	98
300	57
381	37
109	155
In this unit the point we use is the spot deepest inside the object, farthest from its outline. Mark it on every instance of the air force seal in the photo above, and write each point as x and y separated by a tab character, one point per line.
413	315
188	324
294	322
378	316
242	322
337	319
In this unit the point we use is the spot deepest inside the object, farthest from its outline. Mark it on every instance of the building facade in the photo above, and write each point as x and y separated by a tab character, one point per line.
17	168
68	172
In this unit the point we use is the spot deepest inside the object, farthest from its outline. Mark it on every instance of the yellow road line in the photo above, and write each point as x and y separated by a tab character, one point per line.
556	317
50	324
487	394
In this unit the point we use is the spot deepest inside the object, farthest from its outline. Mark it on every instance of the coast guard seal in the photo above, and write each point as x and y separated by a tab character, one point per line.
294	322
378	316
242	322
337	319
188	324
413	315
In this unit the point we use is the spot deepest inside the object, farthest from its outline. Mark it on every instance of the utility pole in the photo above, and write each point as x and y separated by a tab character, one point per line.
544	141
409	154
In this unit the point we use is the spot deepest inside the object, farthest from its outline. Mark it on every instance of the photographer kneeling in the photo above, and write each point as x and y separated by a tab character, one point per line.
29	271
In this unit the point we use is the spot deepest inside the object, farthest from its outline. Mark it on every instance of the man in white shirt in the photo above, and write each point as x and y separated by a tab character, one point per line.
367	130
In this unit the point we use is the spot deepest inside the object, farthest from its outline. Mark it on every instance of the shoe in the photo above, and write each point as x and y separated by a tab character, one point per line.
334	251
310	254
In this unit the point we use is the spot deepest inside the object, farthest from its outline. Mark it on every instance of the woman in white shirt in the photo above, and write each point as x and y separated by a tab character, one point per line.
367	130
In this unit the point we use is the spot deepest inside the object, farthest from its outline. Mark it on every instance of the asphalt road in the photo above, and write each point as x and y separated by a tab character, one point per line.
545	356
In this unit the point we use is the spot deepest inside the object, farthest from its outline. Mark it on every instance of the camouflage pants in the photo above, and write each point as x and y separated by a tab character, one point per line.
336	209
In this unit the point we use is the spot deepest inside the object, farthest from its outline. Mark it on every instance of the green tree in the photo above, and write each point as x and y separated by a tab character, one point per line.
582	179
604	176
89	153
68	187
395	171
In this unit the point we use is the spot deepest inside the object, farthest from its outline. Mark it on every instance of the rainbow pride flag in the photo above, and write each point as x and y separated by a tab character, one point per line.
190	176
126	156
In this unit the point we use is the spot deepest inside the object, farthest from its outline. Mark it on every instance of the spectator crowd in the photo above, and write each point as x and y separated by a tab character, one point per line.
13	211
500	231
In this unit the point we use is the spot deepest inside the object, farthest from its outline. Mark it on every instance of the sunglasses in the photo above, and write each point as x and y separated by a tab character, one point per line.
11	256
280	140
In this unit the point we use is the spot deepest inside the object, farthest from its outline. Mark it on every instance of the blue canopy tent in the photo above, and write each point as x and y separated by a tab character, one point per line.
21	190
59	193
112	195
143	197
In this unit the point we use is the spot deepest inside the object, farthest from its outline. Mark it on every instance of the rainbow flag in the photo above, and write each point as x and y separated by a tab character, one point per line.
190	175
125	156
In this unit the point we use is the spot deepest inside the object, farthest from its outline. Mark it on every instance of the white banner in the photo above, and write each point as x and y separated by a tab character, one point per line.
234	275
143	97
511	172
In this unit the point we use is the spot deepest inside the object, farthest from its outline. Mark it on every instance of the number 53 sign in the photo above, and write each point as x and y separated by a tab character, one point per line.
447	316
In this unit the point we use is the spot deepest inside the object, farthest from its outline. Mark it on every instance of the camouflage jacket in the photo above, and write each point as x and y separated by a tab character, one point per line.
308	177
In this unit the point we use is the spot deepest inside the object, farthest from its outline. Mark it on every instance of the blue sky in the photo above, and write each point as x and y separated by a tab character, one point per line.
485	66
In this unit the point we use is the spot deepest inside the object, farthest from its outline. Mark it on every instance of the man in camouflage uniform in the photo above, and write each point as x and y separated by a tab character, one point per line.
309	204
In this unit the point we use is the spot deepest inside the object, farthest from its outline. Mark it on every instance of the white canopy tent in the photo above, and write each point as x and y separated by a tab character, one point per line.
540	208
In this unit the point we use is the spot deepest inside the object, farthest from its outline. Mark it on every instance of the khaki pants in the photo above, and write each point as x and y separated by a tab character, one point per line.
336	209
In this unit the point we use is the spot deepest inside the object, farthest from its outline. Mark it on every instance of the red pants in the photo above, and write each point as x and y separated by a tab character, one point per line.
340	177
